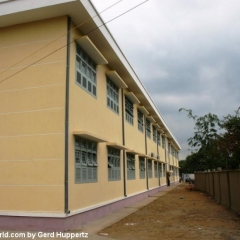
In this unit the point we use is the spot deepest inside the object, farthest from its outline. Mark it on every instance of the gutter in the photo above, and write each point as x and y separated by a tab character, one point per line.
124	151
66	210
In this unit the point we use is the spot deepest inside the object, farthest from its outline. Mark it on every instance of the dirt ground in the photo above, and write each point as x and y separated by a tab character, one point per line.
179	214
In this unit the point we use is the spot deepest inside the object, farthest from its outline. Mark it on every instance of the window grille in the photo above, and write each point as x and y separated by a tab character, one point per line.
85	161
149	168
155	169
114	173
148	128
130	166
142	167
164	170
86	72
129	110
154	134
140	121
158	138
163	142
112	96
160	169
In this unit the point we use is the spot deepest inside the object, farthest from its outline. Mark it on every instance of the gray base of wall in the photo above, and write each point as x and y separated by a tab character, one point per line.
72	222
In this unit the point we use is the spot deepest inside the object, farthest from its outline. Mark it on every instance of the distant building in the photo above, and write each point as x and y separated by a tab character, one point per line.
79	135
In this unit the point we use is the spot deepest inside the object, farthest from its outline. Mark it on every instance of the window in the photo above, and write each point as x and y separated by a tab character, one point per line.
130	166
85	161
113	164
154	134
141	167
86	72
129	110
164	170
160	169
158	138
155	169
163	142
140	121
112	96
148	128
149	168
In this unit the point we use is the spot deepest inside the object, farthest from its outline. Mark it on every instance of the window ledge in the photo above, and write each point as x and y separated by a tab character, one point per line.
116	79
116	145
132	97
89	136
143	110
90	48
151	119
157	125
132	152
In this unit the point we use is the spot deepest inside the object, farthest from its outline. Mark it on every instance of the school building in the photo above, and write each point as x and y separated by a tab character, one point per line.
80	137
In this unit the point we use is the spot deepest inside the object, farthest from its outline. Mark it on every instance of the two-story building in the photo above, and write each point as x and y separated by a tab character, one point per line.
80	136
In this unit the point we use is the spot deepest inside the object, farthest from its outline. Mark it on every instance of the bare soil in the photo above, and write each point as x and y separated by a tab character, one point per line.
179	214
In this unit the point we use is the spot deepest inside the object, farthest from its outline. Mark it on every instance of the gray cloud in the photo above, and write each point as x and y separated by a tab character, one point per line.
186	53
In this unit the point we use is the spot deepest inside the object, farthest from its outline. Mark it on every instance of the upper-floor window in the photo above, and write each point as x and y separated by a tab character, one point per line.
154	134
158	138
112	96
140	121
85	161
163	142
148	128
129	110
86	72
113	164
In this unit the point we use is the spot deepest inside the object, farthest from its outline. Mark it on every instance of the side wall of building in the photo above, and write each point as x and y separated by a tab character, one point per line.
32	97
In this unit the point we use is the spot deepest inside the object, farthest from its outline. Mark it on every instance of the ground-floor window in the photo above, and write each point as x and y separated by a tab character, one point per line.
149	168
164	170
160	169
155	169
114	172
141	167
86	167
130	166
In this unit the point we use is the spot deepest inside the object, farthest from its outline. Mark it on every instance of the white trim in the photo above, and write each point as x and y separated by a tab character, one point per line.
30	135
52	40
30	185
29	111
20	89
28	160
32	65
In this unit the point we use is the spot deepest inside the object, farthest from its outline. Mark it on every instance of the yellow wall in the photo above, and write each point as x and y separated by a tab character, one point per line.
32	116
96	118
32	124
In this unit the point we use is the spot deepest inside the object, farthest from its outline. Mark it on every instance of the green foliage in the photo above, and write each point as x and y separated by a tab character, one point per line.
215	149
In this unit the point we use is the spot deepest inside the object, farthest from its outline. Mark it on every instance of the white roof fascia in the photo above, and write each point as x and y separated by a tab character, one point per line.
16	6
89	7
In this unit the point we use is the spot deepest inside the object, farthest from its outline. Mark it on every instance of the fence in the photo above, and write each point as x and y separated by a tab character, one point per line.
224	186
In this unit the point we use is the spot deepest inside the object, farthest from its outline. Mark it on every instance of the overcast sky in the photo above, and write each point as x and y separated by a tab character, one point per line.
186	53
